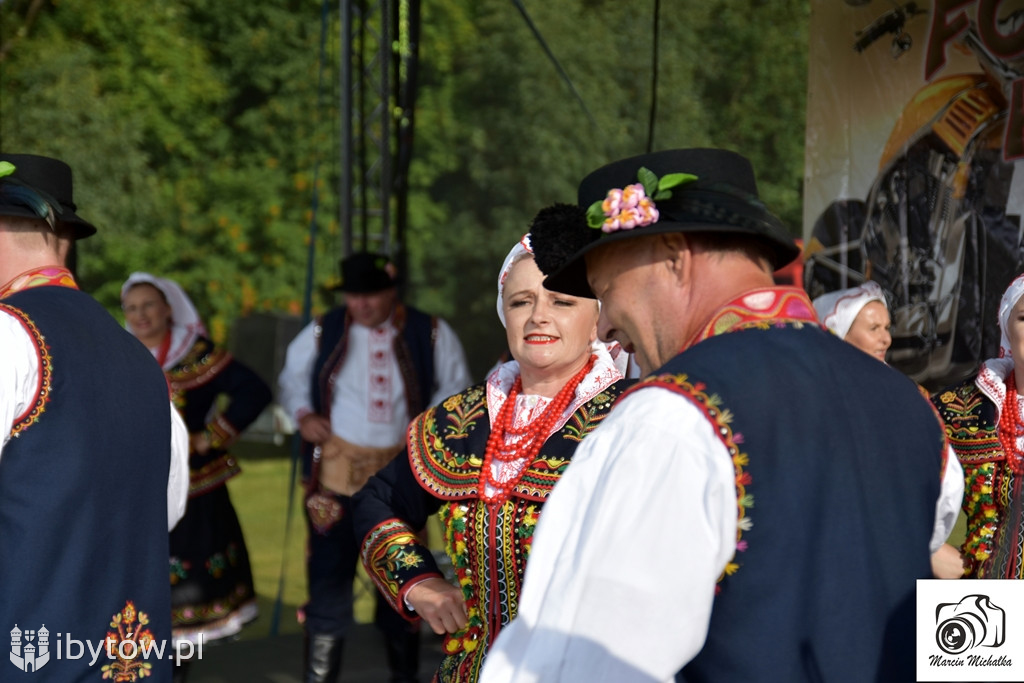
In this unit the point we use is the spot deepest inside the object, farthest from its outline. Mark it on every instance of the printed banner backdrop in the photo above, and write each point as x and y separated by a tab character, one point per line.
970	630
914	169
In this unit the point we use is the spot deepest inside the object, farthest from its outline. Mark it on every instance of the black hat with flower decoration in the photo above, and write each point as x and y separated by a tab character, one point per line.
680	190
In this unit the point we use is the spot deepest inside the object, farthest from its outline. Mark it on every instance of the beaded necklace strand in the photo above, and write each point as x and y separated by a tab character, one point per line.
1011	427
533	435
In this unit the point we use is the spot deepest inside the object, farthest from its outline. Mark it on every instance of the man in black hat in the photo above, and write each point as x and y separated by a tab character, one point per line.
760	505
94	458
353	380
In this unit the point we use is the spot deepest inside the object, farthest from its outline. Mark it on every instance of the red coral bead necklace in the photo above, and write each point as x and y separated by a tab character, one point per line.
533	435
1011	427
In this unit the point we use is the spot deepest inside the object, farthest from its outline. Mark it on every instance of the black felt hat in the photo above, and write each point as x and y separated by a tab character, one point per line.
680	190
366	272
37	177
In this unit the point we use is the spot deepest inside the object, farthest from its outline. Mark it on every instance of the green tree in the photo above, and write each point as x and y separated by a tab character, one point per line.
194	130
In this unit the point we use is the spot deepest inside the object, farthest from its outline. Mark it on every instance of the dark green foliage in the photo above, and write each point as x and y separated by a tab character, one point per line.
194	131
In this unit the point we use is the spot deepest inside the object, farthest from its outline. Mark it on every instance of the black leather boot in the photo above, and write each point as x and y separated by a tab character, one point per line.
403	656
322	658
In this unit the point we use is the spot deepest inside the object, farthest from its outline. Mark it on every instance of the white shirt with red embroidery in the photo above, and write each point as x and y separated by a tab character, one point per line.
368	408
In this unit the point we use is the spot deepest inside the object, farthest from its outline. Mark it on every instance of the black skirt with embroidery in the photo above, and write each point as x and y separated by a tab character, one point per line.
211	582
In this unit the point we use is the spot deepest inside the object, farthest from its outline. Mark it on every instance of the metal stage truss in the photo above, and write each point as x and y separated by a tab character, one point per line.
379	66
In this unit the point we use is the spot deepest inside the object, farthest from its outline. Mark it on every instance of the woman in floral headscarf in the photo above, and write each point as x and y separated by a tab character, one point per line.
212	594
486	460
984	420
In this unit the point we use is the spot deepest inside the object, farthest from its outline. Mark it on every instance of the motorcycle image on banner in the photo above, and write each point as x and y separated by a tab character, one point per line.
940	226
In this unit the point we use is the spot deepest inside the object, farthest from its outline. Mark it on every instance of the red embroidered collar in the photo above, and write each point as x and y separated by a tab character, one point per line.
47	276
759	307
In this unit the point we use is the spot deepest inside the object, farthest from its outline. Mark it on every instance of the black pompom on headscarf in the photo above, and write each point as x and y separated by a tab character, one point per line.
556	233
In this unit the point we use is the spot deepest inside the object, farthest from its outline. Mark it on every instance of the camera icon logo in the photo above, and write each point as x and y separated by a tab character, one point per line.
972	622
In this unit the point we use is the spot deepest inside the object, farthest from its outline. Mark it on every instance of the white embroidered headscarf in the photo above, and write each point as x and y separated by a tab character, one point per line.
521	247
1010	298
994	371
186	325
837	310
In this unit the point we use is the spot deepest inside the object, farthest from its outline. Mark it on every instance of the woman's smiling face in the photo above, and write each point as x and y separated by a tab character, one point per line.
549	333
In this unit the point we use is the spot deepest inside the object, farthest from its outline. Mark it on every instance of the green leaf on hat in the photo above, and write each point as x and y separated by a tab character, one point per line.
6	168
675	179
648	180
671	180
595	215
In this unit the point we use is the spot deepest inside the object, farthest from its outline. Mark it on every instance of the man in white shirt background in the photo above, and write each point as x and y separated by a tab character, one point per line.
353	380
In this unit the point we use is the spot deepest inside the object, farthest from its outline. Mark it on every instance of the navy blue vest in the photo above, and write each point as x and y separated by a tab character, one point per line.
845	461
414	351
83	503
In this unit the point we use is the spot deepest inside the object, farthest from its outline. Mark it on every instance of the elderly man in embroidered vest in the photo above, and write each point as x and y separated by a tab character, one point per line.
736	517
94	462
353	380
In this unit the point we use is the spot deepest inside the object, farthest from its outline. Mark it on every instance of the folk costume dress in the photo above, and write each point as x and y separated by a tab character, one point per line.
212	589
993	473
674	547
984	420
488	521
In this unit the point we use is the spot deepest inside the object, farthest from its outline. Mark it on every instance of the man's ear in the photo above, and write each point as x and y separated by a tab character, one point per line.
676	250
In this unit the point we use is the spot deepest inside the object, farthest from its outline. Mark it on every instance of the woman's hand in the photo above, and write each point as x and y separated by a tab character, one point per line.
315	428
199	442
947	563
440	603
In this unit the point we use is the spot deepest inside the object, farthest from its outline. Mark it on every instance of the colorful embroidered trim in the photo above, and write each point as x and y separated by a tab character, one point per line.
390	550
221	433
720	419
440	471
127	644
212	474
447	462
225	627
44	382
761	308
200	365
51	276
214	612
970	425
324	510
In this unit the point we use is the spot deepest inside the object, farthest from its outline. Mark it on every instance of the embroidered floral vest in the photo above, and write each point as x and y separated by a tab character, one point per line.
83	504
835	514
488	545
994	542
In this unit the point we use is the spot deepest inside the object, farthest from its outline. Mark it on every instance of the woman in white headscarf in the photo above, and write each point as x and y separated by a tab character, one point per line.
486	460
984	420
858	315
212	594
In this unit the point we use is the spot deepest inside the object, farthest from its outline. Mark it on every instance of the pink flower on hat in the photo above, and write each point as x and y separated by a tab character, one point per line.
612	203
631	206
